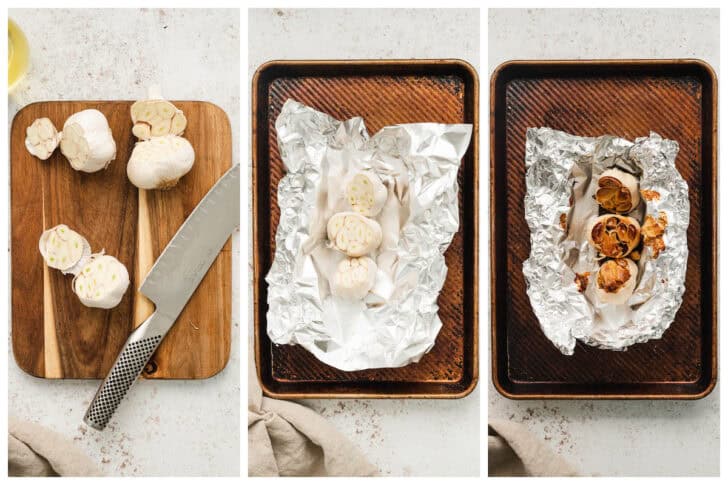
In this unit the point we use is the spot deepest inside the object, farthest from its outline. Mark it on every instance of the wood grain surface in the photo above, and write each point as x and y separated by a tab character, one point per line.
53	335
383	93
629	99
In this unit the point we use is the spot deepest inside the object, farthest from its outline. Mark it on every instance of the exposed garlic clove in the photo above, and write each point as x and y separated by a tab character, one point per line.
159	163
179	123
64	249
42	138
161	127
354	278
163	118
366	194
654	226
87	141
142	130
613	236
616	281
653	231
354	234
101	282
617	191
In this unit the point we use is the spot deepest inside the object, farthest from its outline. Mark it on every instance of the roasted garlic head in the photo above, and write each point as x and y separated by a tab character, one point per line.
616	281
614	236
617	191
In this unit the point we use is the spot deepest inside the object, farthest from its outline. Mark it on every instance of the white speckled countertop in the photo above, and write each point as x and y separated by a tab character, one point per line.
180	428
401	437
635	438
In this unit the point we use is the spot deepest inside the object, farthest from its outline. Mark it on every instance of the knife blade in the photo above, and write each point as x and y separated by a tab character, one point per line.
169	285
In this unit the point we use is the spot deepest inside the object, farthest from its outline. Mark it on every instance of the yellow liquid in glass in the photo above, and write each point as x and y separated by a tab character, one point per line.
18	54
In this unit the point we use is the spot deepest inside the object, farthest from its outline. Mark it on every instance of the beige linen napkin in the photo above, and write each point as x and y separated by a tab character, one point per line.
513	451
35	451
287	439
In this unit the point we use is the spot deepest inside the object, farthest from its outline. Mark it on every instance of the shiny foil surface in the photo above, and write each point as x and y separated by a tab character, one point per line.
397	322
561	173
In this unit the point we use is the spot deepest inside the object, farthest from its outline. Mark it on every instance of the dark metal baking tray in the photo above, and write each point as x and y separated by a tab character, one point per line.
627	98
383	93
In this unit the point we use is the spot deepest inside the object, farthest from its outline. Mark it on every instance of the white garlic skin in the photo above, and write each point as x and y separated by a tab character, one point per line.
159	163
101	282
62	240
42	138
354	278
87	141
353	234
622	295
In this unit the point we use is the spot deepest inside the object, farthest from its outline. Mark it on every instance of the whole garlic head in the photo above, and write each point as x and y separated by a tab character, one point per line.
354	278
354	234
101	282
156	117
64	249
618	191
616	281
613	236
87	141
42	138
159	163
366	193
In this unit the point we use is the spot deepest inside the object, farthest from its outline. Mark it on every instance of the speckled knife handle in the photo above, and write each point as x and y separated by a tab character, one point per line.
137	351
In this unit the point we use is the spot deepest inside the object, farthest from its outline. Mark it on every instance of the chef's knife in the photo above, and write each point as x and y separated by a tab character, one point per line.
169	284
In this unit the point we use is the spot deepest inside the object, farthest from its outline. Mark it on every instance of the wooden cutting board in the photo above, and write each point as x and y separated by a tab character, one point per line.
53	335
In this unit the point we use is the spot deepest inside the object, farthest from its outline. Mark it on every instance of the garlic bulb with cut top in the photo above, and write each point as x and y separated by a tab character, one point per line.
354	234
354	278
618	191
42	138
613	236
366	193
87	141
63	248
101	282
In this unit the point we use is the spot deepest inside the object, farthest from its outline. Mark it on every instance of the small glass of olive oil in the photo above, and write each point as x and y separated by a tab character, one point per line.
18	54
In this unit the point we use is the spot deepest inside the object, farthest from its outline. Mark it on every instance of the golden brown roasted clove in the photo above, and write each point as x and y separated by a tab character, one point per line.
652	231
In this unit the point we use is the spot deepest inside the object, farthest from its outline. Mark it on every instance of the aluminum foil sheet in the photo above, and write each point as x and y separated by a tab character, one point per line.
561	173
397	322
